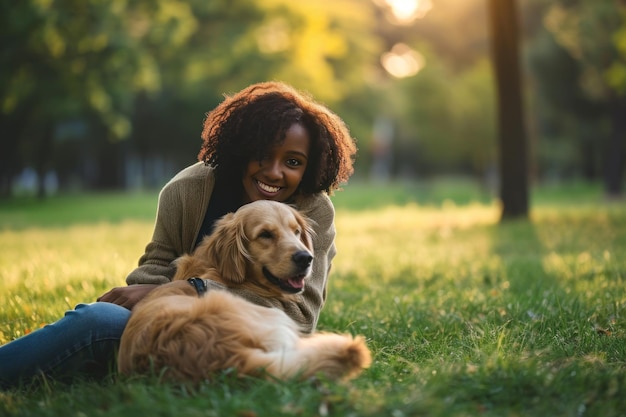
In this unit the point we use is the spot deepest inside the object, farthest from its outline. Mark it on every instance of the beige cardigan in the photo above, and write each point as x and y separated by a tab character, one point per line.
182	204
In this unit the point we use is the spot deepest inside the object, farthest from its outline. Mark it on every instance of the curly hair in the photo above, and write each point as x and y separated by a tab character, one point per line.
249	123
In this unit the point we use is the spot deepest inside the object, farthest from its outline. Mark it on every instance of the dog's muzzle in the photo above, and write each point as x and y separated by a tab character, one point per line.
294	284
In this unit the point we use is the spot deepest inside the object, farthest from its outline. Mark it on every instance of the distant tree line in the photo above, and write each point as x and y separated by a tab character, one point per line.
113	94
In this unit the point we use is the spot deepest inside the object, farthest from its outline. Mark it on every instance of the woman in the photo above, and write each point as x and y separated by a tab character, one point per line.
268	141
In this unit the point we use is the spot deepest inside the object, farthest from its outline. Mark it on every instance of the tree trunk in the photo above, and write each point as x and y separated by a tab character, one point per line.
511	130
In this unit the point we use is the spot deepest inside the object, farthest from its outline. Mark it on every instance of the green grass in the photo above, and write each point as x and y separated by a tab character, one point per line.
464	316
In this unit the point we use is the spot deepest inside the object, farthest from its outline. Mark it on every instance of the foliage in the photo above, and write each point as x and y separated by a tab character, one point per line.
444	116
85	56
464	316
113	94
591	31
104	71
616	74
576	61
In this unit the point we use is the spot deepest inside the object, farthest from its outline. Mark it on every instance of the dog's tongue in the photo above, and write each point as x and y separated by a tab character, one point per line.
297	282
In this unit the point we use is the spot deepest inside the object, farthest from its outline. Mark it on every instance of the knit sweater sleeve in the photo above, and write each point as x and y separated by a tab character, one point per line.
305	310
155	264
179	214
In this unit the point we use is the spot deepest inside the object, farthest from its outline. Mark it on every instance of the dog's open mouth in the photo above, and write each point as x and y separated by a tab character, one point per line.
292	285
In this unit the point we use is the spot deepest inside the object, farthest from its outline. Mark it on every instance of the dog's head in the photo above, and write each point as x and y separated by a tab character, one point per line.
264	241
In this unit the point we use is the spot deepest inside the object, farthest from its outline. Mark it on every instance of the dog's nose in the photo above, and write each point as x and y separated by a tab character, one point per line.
302	259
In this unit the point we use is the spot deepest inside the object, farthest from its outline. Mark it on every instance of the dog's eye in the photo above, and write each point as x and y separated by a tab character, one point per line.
297	232
266	234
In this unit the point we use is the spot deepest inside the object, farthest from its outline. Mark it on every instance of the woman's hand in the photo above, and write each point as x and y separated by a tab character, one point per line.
127	296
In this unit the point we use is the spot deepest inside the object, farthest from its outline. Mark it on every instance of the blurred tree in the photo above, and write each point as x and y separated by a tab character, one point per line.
513	151
128	81
323	47
422	107
571	125
76	60
443	114
108	92
592	31
616	74
472	119
455	31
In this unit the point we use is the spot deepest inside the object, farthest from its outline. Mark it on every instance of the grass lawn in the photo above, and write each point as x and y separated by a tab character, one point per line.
464	316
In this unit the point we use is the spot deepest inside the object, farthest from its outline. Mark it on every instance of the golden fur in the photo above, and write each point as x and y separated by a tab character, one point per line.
265	247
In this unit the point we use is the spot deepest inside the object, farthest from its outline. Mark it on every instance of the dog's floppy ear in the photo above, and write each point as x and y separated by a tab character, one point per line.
228	250
307	230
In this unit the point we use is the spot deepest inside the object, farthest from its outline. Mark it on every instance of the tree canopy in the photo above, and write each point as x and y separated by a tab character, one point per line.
113	93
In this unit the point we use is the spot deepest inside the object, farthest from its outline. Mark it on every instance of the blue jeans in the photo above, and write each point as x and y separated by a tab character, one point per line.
83	343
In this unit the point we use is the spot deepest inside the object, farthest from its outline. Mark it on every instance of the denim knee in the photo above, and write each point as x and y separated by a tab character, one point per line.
105	319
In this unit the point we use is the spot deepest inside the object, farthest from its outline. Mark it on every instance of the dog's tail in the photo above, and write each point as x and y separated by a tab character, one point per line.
335	356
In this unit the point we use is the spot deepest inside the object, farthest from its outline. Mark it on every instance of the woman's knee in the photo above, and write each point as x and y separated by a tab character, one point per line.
100	315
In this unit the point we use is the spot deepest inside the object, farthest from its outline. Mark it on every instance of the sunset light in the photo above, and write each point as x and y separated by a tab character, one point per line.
406	11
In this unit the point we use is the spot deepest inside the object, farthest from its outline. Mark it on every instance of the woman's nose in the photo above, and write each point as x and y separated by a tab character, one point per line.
273	169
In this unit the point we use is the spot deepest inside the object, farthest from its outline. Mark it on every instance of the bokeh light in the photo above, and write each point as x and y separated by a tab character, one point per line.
402	61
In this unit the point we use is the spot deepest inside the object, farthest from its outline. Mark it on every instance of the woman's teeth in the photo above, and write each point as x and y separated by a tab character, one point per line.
268	188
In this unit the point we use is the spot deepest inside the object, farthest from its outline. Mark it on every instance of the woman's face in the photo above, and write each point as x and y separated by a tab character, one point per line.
278	175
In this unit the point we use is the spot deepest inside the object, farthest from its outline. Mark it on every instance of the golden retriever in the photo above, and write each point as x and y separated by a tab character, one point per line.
265	247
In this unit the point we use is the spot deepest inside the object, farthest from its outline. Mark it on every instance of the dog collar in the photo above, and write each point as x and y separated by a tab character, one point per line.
199	285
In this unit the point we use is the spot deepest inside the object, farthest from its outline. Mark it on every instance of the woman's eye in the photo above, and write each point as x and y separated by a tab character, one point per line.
294	162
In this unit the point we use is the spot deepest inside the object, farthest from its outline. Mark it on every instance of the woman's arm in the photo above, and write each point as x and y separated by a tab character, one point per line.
127	296
182	205
155	265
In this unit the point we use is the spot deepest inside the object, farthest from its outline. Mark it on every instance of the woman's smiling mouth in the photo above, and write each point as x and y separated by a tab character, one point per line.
267	188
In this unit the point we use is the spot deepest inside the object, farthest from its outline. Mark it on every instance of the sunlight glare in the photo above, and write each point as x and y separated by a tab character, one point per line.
406	11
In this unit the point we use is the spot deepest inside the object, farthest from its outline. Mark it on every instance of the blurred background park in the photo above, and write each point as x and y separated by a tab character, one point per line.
111	95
